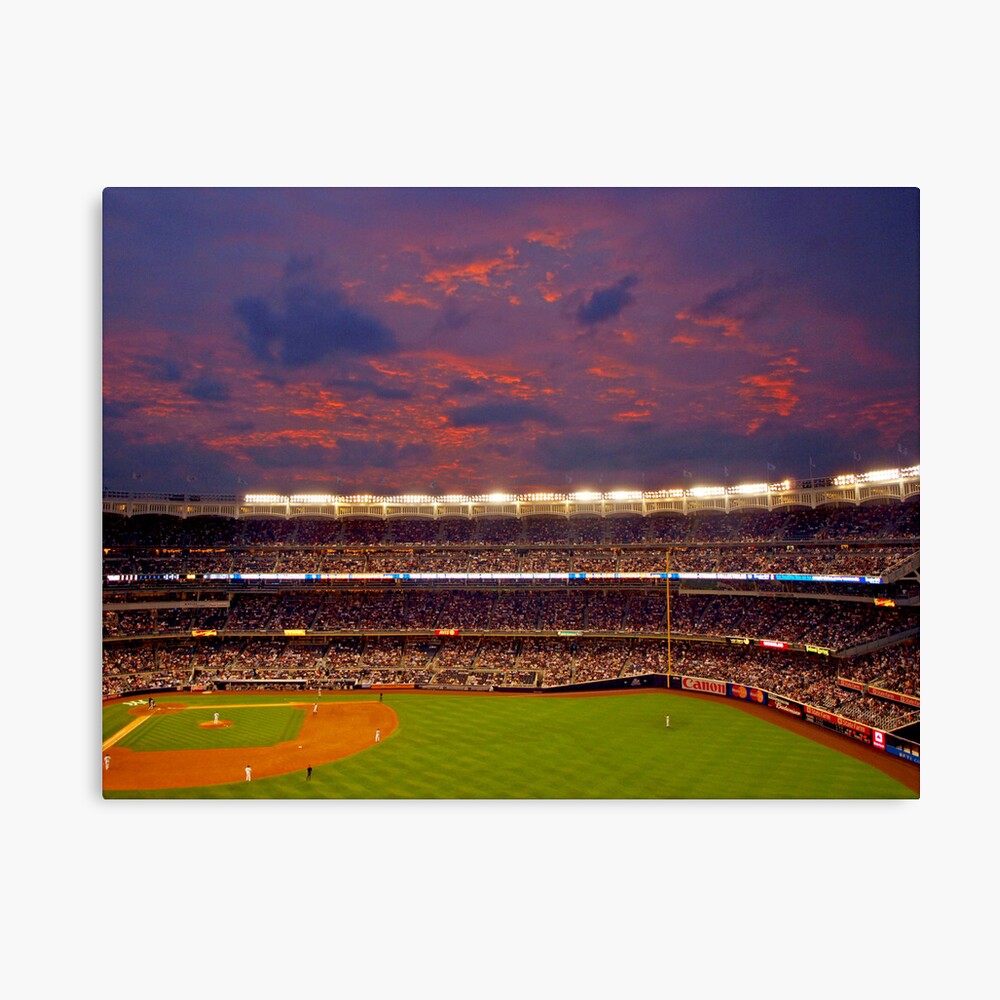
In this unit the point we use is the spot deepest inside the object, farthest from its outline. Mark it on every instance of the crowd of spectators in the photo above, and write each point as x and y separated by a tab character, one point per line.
163	537
837	625
894	669
403	634
797	676
141	666
829	559
529	662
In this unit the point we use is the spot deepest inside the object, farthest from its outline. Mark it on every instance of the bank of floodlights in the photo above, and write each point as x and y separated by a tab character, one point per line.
580	496
878	476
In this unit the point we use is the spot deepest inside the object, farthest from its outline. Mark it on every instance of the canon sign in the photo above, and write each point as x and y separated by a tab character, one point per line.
703	685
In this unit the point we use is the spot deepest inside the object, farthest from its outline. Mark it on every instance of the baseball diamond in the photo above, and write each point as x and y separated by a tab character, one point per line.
478	745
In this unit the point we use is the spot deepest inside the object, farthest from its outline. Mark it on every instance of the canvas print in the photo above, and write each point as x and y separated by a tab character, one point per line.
511	493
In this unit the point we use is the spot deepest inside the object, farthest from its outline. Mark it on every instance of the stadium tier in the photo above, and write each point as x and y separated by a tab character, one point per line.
808	592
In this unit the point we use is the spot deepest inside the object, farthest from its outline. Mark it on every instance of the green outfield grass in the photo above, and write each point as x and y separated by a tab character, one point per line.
451	746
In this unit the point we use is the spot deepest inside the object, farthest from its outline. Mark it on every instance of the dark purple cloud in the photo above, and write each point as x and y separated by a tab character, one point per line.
359	388
503	413
607	303
207	389
164	369
313	324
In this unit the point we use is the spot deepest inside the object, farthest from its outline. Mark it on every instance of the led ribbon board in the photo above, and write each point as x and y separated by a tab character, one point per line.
490	577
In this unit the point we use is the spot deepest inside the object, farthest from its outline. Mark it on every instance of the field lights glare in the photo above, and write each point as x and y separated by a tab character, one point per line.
581	496
881	475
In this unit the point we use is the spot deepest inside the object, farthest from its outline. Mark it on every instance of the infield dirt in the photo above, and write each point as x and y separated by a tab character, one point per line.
336	730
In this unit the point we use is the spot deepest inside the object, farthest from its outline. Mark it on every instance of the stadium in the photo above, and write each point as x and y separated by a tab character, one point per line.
749	641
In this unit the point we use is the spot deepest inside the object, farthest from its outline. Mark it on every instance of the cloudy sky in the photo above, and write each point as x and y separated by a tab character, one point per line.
469	340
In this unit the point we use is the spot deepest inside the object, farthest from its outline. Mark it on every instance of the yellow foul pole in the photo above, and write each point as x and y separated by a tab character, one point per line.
669	661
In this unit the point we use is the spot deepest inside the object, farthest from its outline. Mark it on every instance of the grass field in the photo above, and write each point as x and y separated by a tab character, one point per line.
262	726
479	747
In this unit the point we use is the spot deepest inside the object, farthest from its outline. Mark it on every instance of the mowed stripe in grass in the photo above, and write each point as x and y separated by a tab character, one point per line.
115	718
546	747
250	727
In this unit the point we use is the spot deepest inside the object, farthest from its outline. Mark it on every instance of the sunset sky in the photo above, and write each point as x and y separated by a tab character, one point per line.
468	340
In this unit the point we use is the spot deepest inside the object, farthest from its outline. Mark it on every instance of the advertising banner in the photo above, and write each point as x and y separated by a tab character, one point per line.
704	685
896	696
837	720
486	576
747	694
788	707
904	753
845	682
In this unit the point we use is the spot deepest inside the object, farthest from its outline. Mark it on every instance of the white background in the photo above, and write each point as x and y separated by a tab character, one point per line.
477	899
